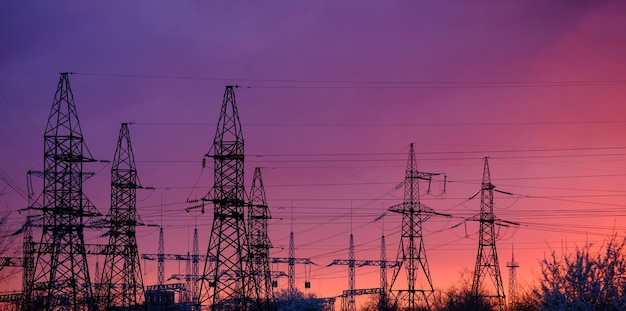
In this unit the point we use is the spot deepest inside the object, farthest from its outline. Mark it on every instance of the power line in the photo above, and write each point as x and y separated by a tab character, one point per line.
577	123
372	84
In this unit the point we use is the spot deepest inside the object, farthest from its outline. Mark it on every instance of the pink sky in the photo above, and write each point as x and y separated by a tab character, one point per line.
404	59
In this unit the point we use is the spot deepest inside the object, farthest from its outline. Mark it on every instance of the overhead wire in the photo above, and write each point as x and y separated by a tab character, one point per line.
289	83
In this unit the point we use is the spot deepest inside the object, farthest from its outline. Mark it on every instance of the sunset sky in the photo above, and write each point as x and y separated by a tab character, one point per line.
333	93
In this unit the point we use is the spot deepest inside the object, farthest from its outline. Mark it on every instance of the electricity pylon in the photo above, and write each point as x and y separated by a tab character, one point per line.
487	266
226	283
382	301
512	265
258	215
348	302
291	262
161	258
410	255
122	283
61	280
195	260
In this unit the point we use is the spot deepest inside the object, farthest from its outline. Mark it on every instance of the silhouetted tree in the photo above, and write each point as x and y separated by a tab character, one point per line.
525	301
460	297
379	303
584	280
298	301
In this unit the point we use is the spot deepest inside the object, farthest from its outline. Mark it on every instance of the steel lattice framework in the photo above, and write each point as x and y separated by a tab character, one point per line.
260	244
61	277
226	282
121	282
291	262
512	265
487	266
411	255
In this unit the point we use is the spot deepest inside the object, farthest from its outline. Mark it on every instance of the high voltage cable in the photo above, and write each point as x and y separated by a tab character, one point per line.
597	122
445	86
398	160
373	84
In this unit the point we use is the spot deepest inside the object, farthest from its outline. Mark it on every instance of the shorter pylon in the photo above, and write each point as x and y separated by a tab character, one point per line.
512	265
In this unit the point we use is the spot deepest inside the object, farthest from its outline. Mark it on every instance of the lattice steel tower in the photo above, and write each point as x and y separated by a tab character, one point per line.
512	265
487	266
121	283
411	252
382	301
226	283
61	279
260	244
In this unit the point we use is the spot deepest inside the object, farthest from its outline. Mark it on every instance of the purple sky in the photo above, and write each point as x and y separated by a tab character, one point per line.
354	79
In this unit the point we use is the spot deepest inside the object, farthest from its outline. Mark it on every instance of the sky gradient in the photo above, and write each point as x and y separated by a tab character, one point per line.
332	95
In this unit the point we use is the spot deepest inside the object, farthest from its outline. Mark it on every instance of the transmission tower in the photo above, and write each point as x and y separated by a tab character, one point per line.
348	302
121	283
291	266
61	279
411	255
191	269
512	265
382	301
487	266
224	280
195	260
291	262
161	258
258	215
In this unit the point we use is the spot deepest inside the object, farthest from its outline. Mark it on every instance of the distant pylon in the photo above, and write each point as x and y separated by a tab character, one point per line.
223	280
512	265
410	255
61	279
383	273
291	262
195	259
161	258
122	283
351	275
291	265
29	246
258	215
487	266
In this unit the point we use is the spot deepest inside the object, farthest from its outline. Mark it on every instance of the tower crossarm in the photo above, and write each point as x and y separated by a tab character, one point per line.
297	261
378	263
12	298
362	263
90	249
11	262
174	257
361	291
173	286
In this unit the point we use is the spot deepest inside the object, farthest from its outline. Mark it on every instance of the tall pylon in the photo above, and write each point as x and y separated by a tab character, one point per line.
411	255
224	279
260	244
122	282
512	265
61	279
487	266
